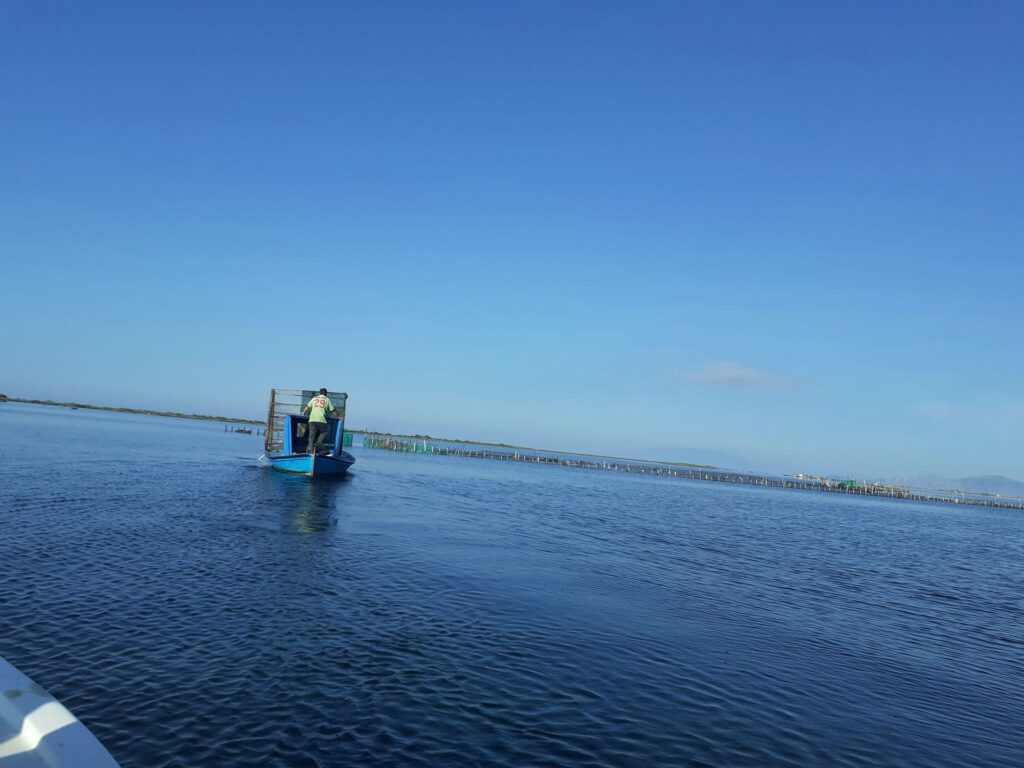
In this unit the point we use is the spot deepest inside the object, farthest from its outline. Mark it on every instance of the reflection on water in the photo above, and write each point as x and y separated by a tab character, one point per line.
312	506
299	504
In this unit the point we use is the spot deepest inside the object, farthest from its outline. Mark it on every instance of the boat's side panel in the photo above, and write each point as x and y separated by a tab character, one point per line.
329	465
339	437
296	463
314	466
286	435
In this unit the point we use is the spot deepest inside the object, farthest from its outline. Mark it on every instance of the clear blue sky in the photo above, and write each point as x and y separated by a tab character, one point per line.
789	232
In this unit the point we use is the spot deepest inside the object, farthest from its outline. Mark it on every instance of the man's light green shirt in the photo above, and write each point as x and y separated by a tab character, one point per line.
319	406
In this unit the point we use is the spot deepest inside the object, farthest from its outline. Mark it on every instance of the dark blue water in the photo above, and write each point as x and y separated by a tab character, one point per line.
195	609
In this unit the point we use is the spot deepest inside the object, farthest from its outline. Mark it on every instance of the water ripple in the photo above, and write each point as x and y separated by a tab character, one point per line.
445	612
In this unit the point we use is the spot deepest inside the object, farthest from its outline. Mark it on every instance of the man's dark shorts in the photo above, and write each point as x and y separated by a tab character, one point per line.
317	433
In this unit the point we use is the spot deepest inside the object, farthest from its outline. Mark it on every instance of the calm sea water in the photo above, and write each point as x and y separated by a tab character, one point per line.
196	609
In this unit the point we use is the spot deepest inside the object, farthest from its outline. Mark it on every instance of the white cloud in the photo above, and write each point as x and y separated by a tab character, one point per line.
983	413
739	376
944	411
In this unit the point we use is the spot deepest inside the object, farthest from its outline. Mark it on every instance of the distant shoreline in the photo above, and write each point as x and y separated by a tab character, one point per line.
223	419
141	411
855	485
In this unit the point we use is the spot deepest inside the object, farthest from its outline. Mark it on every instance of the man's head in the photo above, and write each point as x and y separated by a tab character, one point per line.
323	390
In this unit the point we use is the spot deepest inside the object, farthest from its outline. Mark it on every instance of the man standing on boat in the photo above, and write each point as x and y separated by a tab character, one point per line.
318	407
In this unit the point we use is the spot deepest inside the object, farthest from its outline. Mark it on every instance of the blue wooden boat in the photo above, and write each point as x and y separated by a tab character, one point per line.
286	444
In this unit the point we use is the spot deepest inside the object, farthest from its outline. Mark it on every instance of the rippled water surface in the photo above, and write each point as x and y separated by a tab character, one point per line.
196	609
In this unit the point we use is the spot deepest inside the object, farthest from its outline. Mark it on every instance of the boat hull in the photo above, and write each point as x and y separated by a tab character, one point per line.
312	466
36	729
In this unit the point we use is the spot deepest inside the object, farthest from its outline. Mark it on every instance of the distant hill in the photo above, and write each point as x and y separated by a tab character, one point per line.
1004	486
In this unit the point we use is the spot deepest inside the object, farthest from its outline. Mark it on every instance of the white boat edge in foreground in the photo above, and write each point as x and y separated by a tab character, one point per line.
37	730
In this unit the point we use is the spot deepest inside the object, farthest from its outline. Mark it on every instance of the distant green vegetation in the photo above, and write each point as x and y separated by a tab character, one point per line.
144	412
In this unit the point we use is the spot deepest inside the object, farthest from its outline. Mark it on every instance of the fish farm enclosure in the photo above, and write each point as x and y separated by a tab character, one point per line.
689	472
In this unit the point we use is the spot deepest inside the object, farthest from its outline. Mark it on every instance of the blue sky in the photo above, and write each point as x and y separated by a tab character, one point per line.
785	232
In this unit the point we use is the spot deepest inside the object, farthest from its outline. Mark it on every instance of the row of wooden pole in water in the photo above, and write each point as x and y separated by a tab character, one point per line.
243	430
694	473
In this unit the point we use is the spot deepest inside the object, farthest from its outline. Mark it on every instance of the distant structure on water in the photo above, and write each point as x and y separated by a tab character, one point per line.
242	430
794	482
